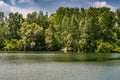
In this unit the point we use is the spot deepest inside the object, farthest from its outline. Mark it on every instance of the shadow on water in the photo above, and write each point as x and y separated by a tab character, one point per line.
56	57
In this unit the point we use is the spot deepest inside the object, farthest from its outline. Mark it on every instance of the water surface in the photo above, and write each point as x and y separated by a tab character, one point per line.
52	66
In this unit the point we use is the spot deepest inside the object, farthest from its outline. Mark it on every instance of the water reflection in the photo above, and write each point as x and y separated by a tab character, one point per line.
59	66
21	57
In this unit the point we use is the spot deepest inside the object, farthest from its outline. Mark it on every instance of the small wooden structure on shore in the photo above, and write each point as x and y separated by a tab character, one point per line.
64	50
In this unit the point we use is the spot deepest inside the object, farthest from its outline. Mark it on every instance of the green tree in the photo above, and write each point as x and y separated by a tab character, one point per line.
29	34
11	45
2	20
106	23
104	47
3	36
65	34
14	22
50	39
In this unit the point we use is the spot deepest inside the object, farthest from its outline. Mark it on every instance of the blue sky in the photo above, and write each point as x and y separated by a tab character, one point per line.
50	6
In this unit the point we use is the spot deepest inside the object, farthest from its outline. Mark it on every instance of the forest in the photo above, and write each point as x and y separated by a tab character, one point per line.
74	29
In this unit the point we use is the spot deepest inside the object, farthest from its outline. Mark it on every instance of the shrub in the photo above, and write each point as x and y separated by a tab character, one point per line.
104	47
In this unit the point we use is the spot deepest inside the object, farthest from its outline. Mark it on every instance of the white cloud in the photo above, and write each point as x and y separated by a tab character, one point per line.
6	8
98	4
74	3
13	2
25	1
24	11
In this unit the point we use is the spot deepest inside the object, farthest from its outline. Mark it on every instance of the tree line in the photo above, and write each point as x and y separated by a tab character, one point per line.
74	29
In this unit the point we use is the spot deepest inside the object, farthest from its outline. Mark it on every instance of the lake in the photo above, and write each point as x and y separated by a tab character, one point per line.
59	66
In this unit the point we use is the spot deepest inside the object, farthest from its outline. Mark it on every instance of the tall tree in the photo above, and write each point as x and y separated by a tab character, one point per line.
2	18
14	22
106	23
29	34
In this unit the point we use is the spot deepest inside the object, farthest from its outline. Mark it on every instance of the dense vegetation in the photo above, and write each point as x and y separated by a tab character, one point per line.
79	30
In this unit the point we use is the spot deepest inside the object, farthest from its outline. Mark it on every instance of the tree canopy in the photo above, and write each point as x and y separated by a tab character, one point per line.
77	30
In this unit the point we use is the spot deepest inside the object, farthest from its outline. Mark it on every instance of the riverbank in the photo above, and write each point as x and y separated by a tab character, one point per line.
60	56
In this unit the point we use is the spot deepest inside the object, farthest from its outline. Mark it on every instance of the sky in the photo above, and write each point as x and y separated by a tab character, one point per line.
50	6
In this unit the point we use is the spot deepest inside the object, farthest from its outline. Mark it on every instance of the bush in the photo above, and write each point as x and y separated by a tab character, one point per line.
117	46
10	45
104	47
117	49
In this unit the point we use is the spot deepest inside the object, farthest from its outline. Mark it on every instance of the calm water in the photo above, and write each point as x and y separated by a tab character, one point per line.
24	66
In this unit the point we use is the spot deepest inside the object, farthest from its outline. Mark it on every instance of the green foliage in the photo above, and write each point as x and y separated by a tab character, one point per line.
104	47
117	49
86	30
10	45
49	37
118	16
2	21
1	37
29	34
14	22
